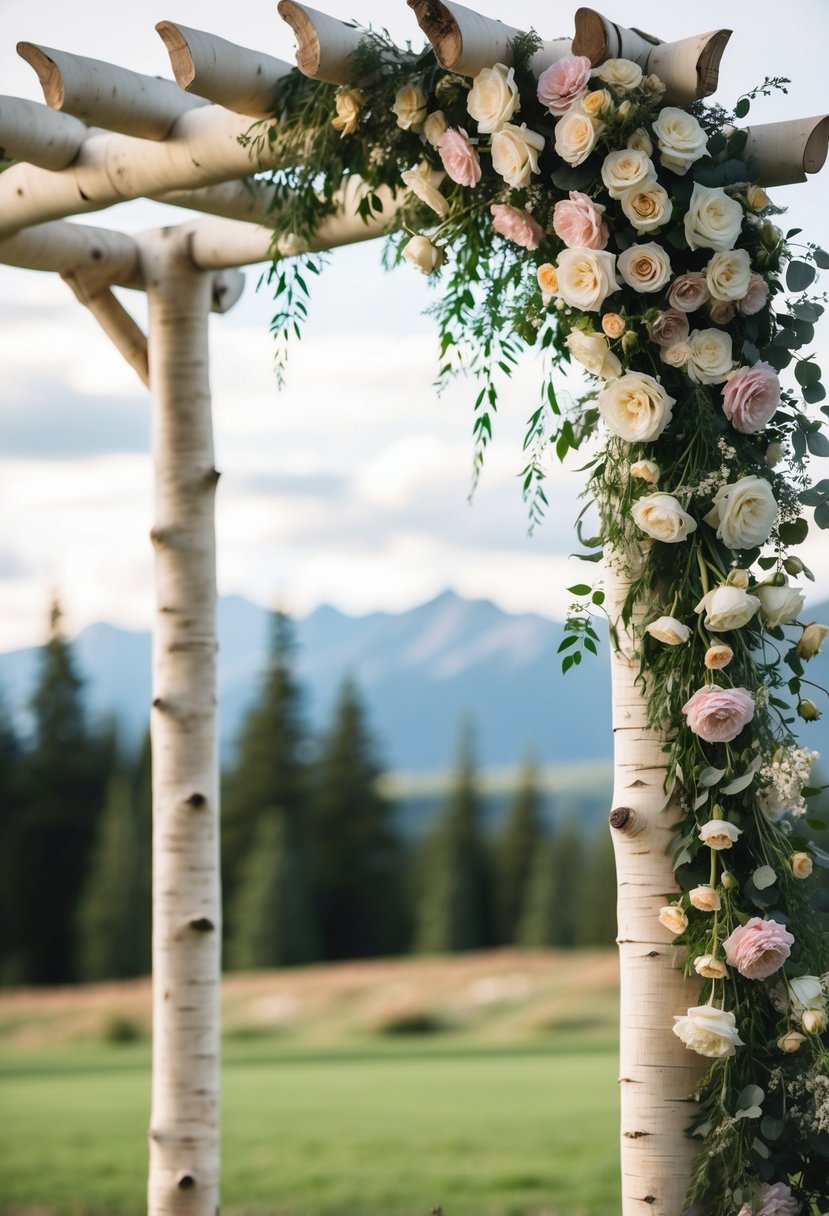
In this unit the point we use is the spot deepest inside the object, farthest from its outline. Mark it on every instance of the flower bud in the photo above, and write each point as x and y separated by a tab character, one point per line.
435	127
791	1041
729	880
710	967
801	864
646	470
738	578
717	656
811	640
757	198
673	918
793	566
629	341
813	1021
625	110
807	710
423	254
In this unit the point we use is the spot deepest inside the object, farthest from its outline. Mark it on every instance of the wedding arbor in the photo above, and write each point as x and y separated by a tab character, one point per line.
106	135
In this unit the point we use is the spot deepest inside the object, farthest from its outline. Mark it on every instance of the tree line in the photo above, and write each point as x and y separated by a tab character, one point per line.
316	866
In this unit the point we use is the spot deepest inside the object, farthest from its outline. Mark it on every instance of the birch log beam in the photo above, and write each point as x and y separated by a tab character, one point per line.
657	1073
690	68
230	75
121	329
104	95
324	45
465	41
32	132
787	151
104	257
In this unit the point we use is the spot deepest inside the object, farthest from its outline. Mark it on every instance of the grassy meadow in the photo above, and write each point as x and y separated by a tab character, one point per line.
483	1084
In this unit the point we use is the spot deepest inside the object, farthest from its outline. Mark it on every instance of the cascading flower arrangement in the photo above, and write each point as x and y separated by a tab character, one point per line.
579	214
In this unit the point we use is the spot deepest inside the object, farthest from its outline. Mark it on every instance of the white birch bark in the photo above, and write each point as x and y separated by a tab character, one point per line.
233	76
324	45
786	151
184	1126
465	41
657	1073
31	131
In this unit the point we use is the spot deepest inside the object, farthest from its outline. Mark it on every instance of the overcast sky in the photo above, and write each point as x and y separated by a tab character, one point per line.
351	486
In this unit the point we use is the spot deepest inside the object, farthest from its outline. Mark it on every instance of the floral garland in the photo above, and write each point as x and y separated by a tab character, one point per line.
610	229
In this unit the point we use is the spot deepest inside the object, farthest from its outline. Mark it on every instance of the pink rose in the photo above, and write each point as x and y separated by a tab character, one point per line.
688	291
579	223
516	225
750	397
460	160
718	715
756	296
758	948
563	83
775	1200
669	328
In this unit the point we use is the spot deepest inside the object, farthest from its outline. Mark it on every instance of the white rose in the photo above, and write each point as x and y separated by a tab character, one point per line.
646	470
645	268
626	168
421	185
708	1031
594	352
423	254
676	355
586	277
713	220
680	139
743	513
435	127
635	407
493	98
709	356
647	207
727	608
806	992
515	154
719	834
727	275
669	630
576	137
661	517
621	73
410	107
779	605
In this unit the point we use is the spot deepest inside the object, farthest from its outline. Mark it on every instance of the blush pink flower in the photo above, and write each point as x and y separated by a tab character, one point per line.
775	1200
669	328
460	160
758	948
718	715
516	225
689	291
756	296
579	222
563	83
750	397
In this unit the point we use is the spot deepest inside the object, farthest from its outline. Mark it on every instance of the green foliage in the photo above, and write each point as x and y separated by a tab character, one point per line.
554	897
515	848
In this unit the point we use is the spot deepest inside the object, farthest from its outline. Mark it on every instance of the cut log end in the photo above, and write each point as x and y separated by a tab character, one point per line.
442	29
181	58
814	155
708	64
591	36
308	49
48	73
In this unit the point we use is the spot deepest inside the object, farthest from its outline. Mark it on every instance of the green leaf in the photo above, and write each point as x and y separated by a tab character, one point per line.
738	784
817	443
799	275
580	589
807	310
752	1095
771	1128
807	372
821	258
813	393
711	776
795	532
822	515
742	107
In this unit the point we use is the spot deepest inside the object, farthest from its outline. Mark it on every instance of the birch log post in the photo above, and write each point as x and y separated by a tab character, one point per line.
184	1124
787	151
657	1074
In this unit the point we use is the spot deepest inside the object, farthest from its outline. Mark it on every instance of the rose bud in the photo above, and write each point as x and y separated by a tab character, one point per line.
729	880
793	566
791	1041
646	470
807	710
673	918
757	198
710	967
813	1021
718	656
613	325
801	864
705	899
811	640
738	578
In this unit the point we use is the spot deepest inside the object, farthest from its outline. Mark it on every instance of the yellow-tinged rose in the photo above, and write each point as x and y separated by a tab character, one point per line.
757	198
646	470
641	141
593	352
669	630
813	1021
801	864
410	107
613	325
547	276
493	98
435	127
705	899
811	640
791	1042
348	103
717	656
710	967
672	918
594	103
423	254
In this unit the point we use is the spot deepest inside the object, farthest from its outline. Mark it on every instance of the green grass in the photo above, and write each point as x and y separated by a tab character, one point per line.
374	1129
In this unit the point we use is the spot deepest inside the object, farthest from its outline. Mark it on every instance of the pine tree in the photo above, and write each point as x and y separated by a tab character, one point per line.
271	920
12	812
269	769
64	777
454	907
597	902
354	857
537	922
515	850
552	908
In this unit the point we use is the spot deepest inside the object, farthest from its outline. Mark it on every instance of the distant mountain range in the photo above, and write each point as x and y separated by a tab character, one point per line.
419	671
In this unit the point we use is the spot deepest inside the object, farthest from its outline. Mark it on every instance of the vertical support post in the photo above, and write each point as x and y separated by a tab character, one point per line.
657	1074
184	1127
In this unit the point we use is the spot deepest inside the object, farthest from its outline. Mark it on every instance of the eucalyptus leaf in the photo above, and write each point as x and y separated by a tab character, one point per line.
771	1128
764	878
750	1112
752	1095
700	800
799	275
711	776
738	784
761	1149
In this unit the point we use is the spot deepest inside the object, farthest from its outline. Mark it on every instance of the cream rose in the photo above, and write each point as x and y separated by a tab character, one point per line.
710	967
719	834
348	103
792	1041
779	605
576	137
647	206
645	268
640	140
661	517
811	640
635	407
493	98
586	277
593	351
727	608
410	107
620	73
676	355
423	254
806	992
705	899
717	656
708	1031
672	918
801	865
421	185
709	356
593	103
743	513
625	169
728	274
713	220
646	470
680	139
435	127
613	325
515	154
669	630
